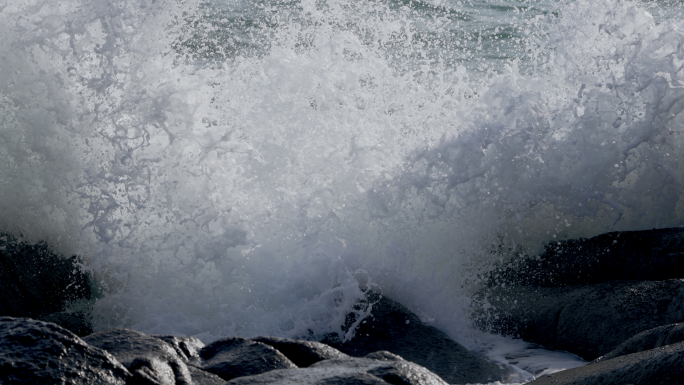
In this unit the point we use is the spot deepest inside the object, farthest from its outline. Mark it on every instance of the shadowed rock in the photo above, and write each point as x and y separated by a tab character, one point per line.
37	283
301	353
589	321
149	359
348	371
187	348
36	352
394	328
587	296
664	365
201	377
649	339
651	255
235	357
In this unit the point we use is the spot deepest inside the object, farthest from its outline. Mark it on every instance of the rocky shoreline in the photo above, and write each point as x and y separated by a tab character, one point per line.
38	352
615	300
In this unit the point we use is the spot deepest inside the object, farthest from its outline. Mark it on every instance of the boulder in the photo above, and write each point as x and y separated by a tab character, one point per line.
301	353
348	371
649	339
77	322
37	283
587	296
589	321
149	359
187	348
201	377
236	357
392	327
36	352
651	255
663	365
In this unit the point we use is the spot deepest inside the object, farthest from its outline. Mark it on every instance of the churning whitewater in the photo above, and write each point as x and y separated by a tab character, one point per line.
239	168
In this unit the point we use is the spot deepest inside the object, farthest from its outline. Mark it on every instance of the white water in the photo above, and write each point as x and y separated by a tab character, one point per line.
240	194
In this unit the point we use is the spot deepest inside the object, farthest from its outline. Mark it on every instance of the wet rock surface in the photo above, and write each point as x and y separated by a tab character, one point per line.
617	299
35	282
589	321
664	365
37	352
187	348
392	327
236	357
348	370
650	255
646	340
302	353
150	360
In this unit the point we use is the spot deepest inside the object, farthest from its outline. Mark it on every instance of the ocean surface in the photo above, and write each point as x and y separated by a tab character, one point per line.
233	167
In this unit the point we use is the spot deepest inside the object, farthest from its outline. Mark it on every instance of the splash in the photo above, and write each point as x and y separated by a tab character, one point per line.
251	168
588	143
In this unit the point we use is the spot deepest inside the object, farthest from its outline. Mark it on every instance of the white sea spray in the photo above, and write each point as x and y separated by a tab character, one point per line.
247	187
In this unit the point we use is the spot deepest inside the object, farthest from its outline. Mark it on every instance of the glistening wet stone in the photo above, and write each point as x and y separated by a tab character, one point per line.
35	352
392	327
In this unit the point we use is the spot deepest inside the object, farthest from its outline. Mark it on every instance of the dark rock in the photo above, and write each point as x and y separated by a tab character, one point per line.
36	352
35	282
348	371
589	321
201	377
149	359
675	335
76	322
187	348
664	365
649	339
301	353
235	357
393	328
308	376
651	255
